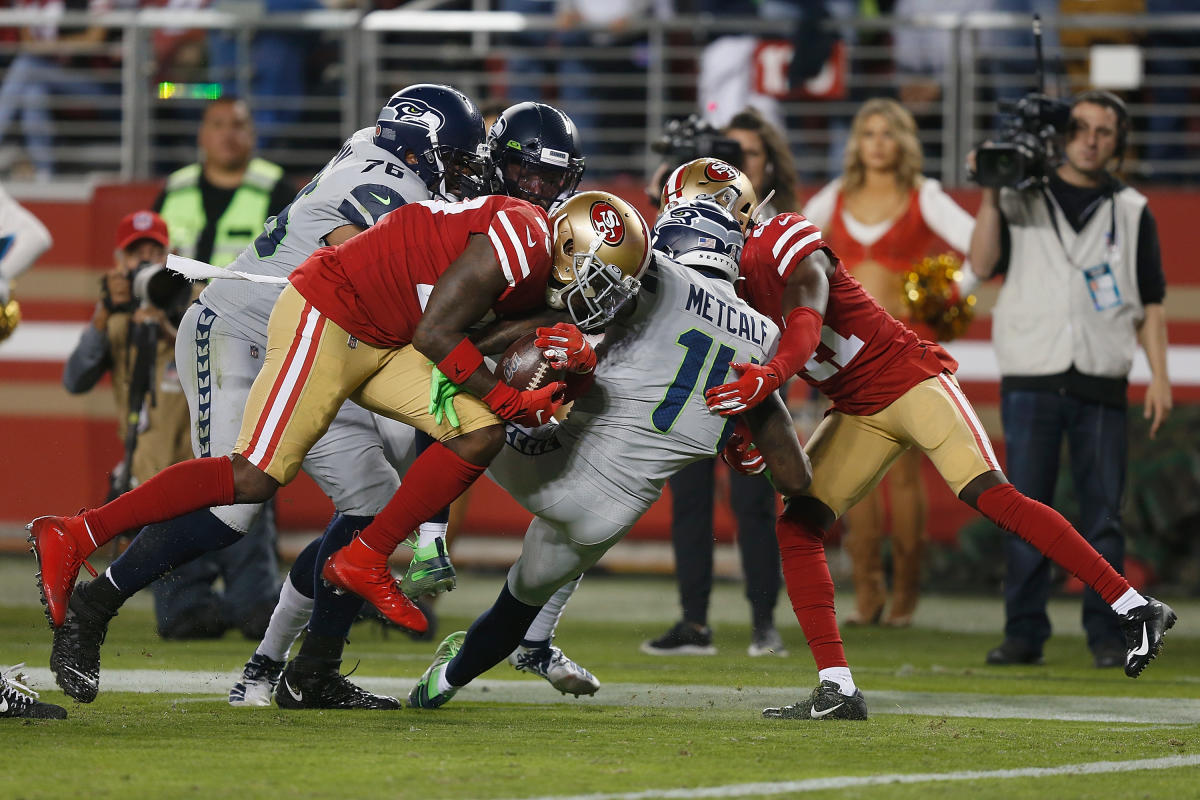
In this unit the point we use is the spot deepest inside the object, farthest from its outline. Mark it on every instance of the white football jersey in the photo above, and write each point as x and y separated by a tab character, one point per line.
645	417
358	186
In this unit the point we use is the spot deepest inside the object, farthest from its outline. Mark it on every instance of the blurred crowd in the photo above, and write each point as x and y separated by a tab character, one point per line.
62	83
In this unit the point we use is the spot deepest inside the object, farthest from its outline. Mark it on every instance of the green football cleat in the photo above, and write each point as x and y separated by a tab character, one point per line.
425	694
430	571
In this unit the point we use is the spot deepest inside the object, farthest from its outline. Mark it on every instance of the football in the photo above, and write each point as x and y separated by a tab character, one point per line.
524	368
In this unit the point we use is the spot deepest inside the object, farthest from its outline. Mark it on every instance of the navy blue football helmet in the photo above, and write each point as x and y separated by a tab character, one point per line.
700	233
535	149
442	129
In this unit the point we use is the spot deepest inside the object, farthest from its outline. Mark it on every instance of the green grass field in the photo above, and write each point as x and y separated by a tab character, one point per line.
942	724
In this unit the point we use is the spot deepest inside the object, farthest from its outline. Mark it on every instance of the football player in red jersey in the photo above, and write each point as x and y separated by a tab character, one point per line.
890	391
367	321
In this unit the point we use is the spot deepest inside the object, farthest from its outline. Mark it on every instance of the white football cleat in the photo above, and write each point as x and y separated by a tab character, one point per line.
561	672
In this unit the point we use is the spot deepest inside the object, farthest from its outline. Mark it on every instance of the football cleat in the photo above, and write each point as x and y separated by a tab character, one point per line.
375	584
550	663
1144	628
18	700
75	654
825	702
61	545
326	689
766	641
683	639
260	676
429	572
425	694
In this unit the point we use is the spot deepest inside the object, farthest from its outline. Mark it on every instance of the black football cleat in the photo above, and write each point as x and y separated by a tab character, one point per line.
1014	651
19	701
1144	628
75	654
825	702
327	688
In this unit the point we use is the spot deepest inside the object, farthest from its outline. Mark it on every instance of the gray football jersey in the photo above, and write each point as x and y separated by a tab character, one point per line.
645	417
358	186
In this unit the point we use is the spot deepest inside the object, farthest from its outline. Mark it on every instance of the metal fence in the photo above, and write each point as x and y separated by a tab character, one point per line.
128	107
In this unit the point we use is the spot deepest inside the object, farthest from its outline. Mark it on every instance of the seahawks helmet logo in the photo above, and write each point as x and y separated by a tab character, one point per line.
607	222
720	171
411	111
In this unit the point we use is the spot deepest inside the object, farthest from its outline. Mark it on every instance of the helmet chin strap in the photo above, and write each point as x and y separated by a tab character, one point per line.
762	204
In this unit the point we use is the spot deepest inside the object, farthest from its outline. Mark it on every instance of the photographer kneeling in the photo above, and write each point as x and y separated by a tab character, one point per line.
1083	284
132	333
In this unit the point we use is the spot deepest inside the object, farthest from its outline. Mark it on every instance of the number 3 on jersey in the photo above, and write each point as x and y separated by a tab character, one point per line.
697	344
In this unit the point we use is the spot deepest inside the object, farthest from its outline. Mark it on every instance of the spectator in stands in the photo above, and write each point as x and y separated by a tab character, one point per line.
52	60
215	208
725	84
1083	285
880	217
768	164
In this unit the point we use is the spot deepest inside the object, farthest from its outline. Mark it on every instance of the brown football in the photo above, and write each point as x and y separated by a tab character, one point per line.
524	368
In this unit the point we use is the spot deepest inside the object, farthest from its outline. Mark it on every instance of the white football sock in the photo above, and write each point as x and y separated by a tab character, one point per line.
1128	602
444	685
841	676
544	624
291	614
429	532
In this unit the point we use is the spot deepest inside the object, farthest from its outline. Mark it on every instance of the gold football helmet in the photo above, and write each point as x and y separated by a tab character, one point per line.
10	317
713	178
600	248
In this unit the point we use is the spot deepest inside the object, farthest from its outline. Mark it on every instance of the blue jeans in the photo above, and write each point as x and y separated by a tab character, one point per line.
1097	446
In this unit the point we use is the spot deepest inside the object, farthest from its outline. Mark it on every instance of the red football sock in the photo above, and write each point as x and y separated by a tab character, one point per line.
1049	532
802	549
435	479
177	490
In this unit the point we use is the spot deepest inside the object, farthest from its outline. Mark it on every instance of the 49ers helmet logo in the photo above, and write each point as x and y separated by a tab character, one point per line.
720	171
607	222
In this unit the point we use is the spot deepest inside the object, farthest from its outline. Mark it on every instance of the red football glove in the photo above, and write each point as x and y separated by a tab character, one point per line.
532	408
754	384
743	456
566	348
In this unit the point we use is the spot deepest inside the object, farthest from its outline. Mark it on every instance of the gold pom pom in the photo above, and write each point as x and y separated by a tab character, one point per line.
10	316
933	291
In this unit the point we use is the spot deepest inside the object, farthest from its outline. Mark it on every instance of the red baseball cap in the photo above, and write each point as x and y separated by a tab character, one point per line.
142	225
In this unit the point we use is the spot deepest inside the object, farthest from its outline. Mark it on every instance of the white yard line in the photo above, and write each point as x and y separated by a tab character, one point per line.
529	690
845	782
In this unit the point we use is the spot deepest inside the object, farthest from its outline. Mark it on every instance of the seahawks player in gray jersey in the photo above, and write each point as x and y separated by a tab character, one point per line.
428	138
589	479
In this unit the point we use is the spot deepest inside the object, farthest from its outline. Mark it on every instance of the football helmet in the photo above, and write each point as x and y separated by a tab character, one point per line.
715	179
535	150
701	234
600	248
441	128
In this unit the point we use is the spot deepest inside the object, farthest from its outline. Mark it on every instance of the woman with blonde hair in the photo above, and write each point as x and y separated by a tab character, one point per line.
880	217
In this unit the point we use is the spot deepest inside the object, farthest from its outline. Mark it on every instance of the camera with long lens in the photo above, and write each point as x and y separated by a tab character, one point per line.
685	140
1027	147
158	287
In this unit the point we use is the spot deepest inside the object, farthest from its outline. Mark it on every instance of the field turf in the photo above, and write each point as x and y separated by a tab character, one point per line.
942	724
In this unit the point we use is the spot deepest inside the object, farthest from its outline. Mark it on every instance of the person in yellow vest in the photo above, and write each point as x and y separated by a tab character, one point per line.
214	209
217	206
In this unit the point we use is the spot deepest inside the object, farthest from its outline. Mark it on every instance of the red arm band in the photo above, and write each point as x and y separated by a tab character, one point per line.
797	342
463	360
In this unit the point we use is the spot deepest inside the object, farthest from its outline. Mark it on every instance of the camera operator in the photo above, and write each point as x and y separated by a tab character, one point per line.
107	344
1083	284
693	488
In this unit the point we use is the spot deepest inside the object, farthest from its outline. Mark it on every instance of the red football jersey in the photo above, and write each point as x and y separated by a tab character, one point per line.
867	358
376	284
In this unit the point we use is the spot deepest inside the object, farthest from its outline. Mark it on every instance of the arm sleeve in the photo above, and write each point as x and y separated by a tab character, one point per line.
1152	282
945	217
88	361
521	240
23	238
819	208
